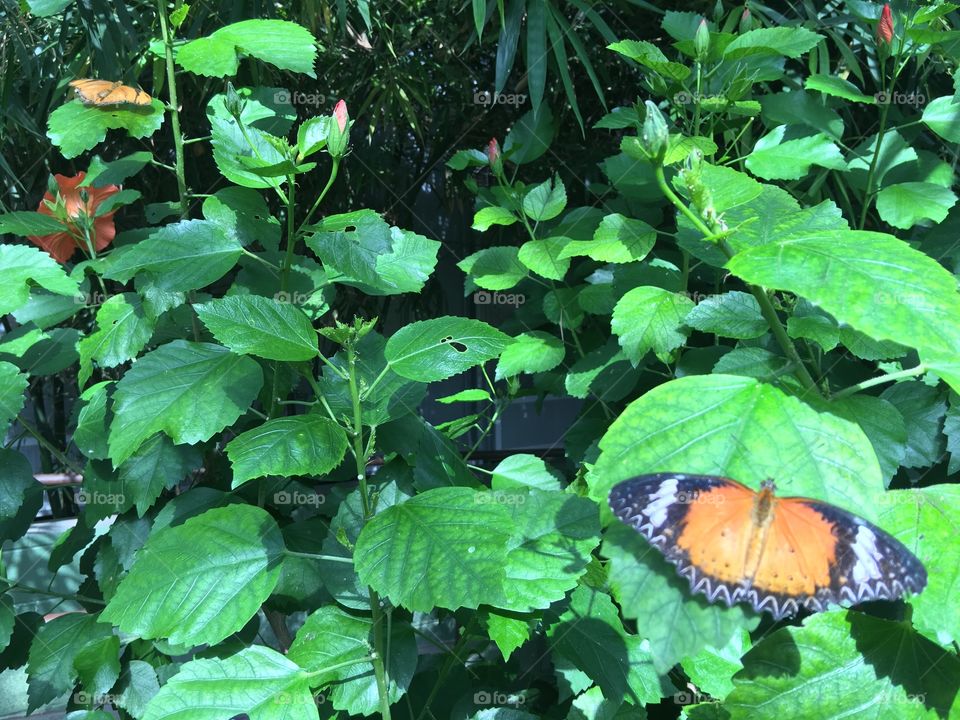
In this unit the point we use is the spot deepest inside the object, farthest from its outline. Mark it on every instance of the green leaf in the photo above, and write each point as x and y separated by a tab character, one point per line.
436	349
546	200
373	256
280	43
883	425
543	257
494	268
123	331
98	664
508	632
591	636
606	366
923	409
531	135
524	471
76	128
536	50
257	682
801	108
442	548
942	115
243	214
530	352
731	314
907	204
790	41
25	223
236	148
254	325
298	445
843	663
331	637
774	158
838	87
137	685
712	668
618	239
116	171
50	669
210	389
471	395
492	215
157	465
184	256
507	43
19	266
650	56
21	497
12	385
199	582
650	318
818	328
90	436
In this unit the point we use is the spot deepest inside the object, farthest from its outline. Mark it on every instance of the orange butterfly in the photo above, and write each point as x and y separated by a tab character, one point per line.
778	554
106	93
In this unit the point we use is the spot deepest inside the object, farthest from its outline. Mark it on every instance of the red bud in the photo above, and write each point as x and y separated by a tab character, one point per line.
885	26
493	155
340	113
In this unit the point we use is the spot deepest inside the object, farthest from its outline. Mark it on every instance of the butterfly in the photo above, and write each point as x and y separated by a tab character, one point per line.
778	554
104	93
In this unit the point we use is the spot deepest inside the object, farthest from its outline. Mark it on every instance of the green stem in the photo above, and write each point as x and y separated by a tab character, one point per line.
872	382
48	446
51	593
323	193
869	193
174	108
766	307
447	666
291	233
315	556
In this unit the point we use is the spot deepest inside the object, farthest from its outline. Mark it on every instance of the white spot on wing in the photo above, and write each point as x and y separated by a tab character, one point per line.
660	502
865	548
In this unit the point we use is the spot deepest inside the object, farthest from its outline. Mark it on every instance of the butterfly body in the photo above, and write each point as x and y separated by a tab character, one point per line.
778	554
103	93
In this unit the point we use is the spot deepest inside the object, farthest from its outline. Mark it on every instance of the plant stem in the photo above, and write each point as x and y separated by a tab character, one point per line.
51	593
174	108
872	382
48	446
376	611
291	233
323	193
868	193
766	307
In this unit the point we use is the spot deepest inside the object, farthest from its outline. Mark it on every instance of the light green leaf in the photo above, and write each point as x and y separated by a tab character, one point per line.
331	637
530	352
507	631
21	265
650	56
298	445
907	204
650	318
712	668
731	314
838	87
546	200
12	385
790	41
201	581
123	330
137	685
883	425
774	158
942	115
494	268
255	325
24	223
524	471
280	43
76	128
492	215
90	436
543	257
471	395
210	389
184	256
257	682
618	239
157	464
436	349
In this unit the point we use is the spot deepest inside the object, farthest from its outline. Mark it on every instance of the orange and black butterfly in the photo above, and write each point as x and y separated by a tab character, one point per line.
103	93
778	554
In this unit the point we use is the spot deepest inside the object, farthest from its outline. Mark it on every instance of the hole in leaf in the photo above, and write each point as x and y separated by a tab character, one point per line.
458	346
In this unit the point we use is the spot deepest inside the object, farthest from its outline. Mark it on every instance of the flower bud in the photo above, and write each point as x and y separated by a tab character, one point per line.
233	102
494	157
701	40
338	136
885	27
655	137
746	21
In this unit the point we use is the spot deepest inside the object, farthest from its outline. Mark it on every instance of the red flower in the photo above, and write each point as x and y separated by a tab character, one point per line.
340	113
493	155
885	26
62	245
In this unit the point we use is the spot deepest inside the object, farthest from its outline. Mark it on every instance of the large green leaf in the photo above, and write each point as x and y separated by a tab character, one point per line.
851	274
731	314
774	158
846	665
436	349
942	115
25	223
330	637
546	200
283	44
618	239
256	682
905	204
442	548
76	128
199	582
650	318
530	352
12	385
494	268
123	330
19	266
789	41
298	445
188	390
185	256
255	325
20	495
156	465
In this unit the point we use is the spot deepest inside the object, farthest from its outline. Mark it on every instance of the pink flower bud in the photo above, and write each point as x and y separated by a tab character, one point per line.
885	26
493	151
340	113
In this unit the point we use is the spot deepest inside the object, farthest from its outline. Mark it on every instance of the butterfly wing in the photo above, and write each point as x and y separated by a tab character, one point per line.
105	93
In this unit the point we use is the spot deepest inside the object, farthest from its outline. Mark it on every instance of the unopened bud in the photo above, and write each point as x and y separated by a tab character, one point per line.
701	40
655	137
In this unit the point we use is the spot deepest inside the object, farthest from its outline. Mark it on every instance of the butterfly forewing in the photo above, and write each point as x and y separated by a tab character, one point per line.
105	93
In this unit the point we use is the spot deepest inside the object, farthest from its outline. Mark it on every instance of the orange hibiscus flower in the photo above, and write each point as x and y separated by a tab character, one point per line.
70	206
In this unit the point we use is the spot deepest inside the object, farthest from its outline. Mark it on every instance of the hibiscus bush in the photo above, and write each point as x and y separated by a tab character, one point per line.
756	280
